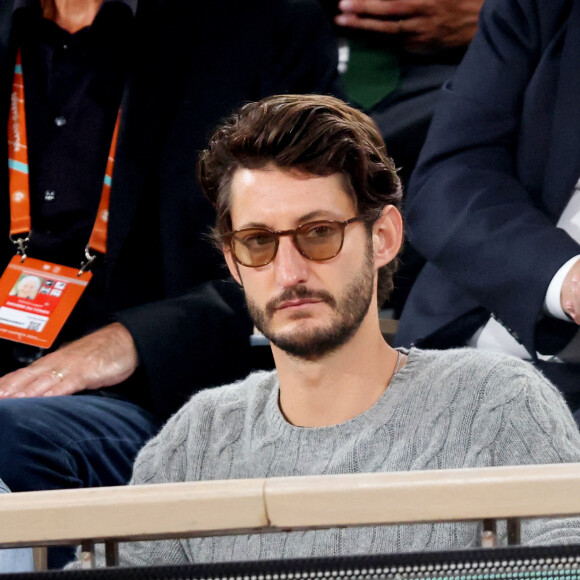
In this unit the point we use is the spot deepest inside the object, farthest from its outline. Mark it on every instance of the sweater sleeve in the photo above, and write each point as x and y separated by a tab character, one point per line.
532	426
173	455
552	437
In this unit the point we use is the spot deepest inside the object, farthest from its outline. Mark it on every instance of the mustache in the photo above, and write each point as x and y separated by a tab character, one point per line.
299	292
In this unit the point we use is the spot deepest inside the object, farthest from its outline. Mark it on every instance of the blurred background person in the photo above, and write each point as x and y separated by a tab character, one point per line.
494	203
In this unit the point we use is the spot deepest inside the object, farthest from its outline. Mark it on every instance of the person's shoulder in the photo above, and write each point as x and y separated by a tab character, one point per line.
467	356
224	405
176	452
529	16
212	405
476	367
239	392
501	409
472	382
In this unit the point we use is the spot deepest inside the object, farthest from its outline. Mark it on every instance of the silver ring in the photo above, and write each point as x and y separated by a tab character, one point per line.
400	29
57	373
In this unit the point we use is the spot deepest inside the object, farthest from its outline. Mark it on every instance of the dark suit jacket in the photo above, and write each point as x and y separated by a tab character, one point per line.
498	167
193	63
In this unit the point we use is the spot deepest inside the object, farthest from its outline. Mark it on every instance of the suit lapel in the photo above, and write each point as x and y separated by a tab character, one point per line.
563	166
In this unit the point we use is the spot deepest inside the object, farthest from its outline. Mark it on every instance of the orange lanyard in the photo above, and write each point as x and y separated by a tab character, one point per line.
19	186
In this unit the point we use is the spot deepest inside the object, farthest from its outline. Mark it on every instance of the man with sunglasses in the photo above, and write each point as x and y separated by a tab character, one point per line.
307	217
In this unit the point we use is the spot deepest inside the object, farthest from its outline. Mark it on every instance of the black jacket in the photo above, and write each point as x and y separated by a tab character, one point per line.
192	64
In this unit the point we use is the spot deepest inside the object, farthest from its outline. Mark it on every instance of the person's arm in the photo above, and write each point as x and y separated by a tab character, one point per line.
101	359
529	424
424	26
188	343
468	212
163	460
185	344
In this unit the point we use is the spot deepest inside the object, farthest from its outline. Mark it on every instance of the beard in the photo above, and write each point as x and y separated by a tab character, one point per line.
349	311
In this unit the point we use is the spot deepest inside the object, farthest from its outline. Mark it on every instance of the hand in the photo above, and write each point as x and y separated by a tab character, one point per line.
424	25
570	294
101	359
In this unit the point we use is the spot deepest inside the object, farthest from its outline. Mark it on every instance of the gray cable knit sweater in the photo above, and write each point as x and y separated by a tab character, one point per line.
444	409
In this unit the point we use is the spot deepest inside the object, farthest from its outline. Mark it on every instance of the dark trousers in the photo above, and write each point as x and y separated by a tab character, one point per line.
69	442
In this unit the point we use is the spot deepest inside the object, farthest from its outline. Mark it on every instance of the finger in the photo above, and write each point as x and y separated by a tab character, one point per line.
393	27
101	359
42	376
40	384
572	312
570	293
16	381
572	304
26	383
570	297
380	8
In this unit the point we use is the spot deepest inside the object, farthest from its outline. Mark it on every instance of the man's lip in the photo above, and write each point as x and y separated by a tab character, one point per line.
297	302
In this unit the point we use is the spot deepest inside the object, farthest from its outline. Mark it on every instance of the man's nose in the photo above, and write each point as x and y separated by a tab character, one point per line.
290	265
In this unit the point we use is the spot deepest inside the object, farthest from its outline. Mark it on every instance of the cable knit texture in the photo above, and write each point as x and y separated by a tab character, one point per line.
444	409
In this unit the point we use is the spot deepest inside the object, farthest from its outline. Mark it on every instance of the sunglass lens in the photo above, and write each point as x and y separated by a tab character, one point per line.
320	240
254	247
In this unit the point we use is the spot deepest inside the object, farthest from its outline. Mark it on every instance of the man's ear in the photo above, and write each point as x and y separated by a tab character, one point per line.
232	264
387	235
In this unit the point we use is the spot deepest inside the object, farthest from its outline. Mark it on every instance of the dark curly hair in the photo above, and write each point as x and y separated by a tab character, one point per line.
316	134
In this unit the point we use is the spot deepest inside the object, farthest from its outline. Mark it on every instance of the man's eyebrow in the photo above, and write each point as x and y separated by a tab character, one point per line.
317	214
254	225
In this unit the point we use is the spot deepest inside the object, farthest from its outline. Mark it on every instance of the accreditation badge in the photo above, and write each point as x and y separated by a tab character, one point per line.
36	299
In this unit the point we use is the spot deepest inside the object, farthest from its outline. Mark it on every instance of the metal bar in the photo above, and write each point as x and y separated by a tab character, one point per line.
514	531
40	558
112	553
489	534
87	554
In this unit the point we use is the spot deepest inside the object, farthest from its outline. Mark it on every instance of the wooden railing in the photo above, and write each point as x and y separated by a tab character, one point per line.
114	514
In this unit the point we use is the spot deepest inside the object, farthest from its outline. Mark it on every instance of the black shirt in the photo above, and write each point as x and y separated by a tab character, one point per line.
73	85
